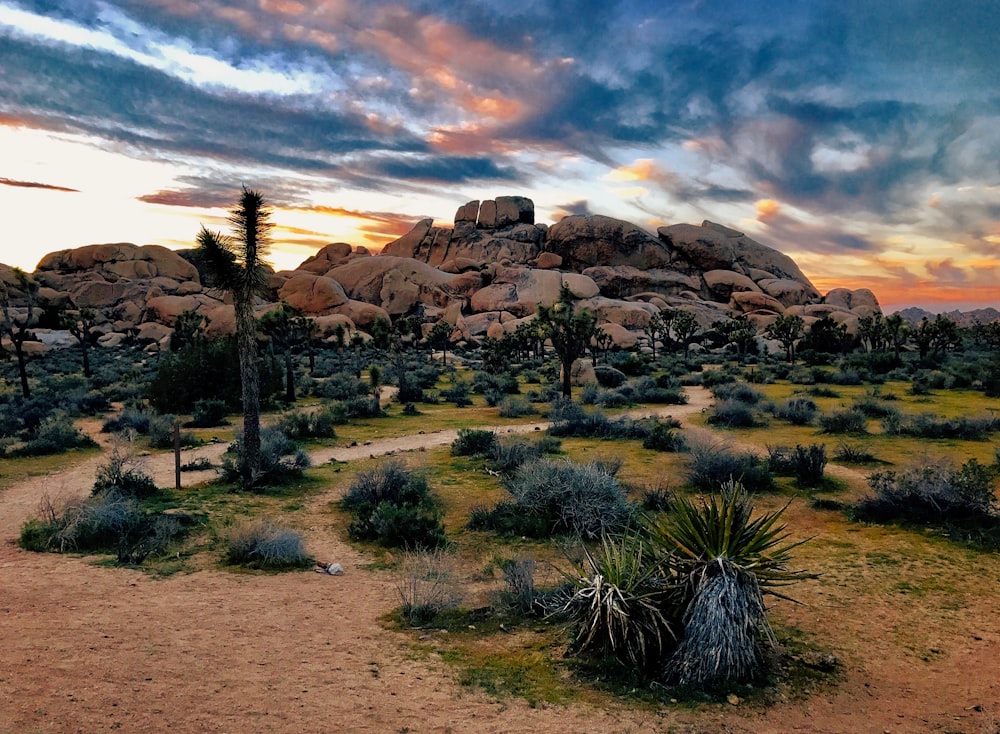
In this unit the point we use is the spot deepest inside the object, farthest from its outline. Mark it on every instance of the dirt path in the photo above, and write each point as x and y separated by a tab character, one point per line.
87	648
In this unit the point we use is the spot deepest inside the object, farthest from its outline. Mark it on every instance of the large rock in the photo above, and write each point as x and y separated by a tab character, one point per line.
327	258
313	294
166	309
750	302
396	284
587	241
723	283
121	260
521	290
703	247
623	281
628	314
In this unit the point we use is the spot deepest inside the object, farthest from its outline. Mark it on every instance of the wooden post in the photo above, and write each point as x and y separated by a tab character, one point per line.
177	454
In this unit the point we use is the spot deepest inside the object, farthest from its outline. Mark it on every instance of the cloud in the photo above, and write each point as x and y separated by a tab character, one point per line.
790	234
35	185
580	208
442	169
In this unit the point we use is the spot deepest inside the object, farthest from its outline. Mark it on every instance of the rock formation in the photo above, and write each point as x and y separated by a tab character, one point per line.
485	274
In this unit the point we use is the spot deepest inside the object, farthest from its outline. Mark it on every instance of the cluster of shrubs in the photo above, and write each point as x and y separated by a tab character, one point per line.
281	460
713	464
805	463
44	424
736	406
262	544
936	493
113	519
612	390
551	497
928	425
393	505
301	425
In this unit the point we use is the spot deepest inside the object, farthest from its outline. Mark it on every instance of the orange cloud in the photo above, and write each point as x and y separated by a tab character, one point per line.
767	209
643	169
282	7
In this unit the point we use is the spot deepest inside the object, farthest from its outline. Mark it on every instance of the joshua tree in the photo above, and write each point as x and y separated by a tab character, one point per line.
440	338
17	328
787	329
79	323
283	326
684	325
569	331
237	265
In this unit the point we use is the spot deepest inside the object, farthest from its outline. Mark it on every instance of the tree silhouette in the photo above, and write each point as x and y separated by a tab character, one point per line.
17	327
569	330
237	265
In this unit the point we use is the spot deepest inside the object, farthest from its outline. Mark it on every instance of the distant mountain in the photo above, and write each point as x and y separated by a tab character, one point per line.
914	315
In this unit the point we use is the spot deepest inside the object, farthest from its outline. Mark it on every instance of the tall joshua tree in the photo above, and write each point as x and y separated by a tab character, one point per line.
17	327
569	330
237	264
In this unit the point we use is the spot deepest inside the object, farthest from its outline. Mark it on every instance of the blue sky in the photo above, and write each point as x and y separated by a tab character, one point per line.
860	138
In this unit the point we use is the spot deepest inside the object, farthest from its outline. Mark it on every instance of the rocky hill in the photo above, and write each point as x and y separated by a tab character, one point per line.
484	275
914	316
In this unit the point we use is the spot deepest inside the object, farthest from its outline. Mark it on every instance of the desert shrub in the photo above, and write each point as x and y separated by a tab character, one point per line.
564	409
931	493
851	454
713	378
631	364
54	435
665	390
928	425
519	595
851	421
105	523
714	464
474	442
281	460
613	399
200	463
457	393
618	605
561	496
846	377
823	392
797	411
131	419
394	506
123	473
663	436
340	386
598	425
738	391
735	414
426	586
509	454
209	413
810	462
514	407
263	544
657	499
161	433
875	407
504	383
305	424
608	376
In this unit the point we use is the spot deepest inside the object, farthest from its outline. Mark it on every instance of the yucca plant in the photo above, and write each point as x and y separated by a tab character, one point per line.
619	604
724	560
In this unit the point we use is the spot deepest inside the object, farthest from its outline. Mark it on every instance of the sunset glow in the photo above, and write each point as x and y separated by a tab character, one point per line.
859	139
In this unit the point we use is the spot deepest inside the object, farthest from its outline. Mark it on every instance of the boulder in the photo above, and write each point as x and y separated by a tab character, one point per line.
410	282
749	302
361	313
111	340
313	294
789	292
547	261
622	281
620	336
152	331
328	257
166	309
582	372
587	241
628	314
121	260
704	247
327	324
722	283
521	290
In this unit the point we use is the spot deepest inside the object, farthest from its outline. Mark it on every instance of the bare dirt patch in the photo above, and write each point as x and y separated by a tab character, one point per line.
88	648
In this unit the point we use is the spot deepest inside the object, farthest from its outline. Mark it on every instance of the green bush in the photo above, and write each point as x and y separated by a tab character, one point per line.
54	435
851	421
663	436
209	413
281	460
474	442
264	545
928	425
123	474
300	425
579	498
513	407
715	464
797	411
734	414
393	505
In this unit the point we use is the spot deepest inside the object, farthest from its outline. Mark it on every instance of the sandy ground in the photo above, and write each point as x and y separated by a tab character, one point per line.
88	649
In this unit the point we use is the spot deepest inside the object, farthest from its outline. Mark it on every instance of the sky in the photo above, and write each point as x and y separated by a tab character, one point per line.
860	138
